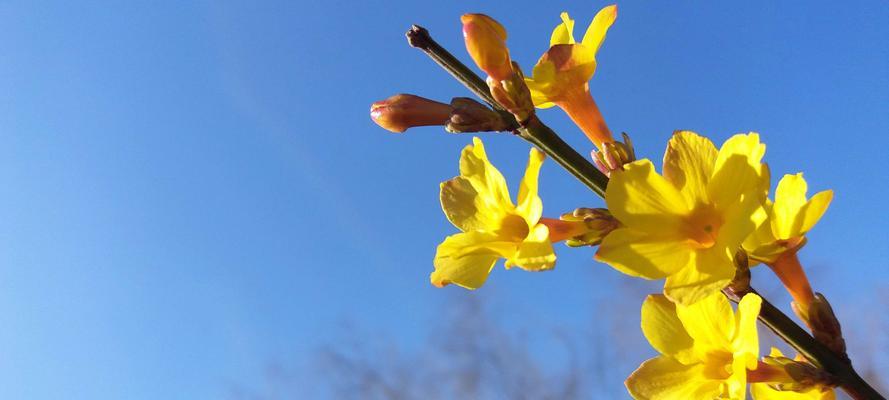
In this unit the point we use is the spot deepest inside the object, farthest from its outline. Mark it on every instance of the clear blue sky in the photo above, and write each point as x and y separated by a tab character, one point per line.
190	191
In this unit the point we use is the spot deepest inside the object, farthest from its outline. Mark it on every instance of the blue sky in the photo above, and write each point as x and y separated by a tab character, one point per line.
191	190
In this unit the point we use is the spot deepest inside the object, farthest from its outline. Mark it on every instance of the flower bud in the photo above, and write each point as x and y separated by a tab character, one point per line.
740	284
613	155
486	43
403	111
582	227
471	116
824	324
513	94
785	374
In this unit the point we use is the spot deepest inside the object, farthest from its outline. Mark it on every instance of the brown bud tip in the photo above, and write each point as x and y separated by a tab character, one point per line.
403	111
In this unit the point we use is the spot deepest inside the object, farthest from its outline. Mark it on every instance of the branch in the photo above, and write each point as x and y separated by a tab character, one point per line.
540	135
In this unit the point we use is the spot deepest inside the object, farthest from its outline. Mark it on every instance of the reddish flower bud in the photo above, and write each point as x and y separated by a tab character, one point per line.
486	43
403	111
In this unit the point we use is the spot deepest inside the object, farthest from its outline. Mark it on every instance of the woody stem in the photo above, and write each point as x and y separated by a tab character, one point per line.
541	136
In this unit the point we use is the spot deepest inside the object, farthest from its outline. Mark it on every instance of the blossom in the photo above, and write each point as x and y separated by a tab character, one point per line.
477	202
561	76
777	241
790	217
706	349
687	225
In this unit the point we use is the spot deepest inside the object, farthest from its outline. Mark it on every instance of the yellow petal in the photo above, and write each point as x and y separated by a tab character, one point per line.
564	32
595	33
736	383
664	378
746	338
529	205
710	322
536	252
663	329
709	272
740	221
790	198
643	200
640	254
538	97
762	391
738	171
484	177
815	209
564	67
688	165
467	209
792	215
466	259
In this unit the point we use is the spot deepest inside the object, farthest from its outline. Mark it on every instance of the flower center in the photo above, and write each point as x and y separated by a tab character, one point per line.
702	226
718	365
514	228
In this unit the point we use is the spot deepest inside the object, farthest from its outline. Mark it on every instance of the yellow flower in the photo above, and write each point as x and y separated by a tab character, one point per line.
687	225
561	76
777	241
790	217
760	389
477	202
706	349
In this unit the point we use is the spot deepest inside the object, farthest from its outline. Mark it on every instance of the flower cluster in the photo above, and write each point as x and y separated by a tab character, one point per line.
699	224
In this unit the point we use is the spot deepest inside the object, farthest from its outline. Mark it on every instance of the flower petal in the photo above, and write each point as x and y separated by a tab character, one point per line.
738	171
709	272
595	33
688	165
710	322
466	259
485	178
466	208
746	338
815	209
664	378
562	68
640	254
530	206
641	199
564	32
535	253
663	329
790	198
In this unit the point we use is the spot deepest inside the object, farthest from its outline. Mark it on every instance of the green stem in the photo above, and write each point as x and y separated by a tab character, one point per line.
541	136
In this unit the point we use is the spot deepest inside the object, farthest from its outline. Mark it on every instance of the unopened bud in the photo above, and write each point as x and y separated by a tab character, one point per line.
824	324
740	284
486	43
513	94
614	155
469	115
596	223
791	375
403	111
